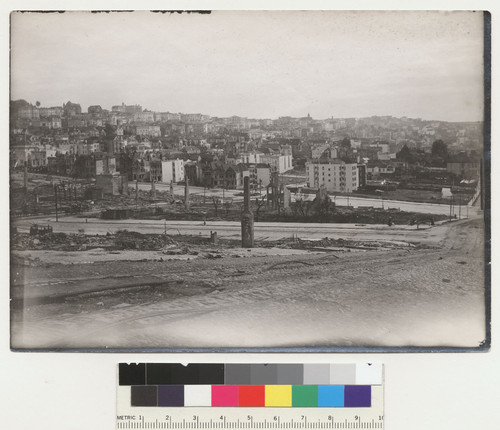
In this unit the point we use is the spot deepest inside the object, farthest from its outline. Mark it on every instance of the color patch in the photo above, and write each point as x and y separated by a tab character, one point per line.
197	395
144	395
342	374
304	396
316	374
171	395
331	395
224	395
251	395
263	374
357	396
237	374
279	395
289	374
132	374
177	374
368	374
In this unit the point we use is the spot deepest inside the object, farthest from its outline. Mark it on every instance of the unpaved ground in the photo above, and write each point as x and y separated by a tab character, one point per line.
401	297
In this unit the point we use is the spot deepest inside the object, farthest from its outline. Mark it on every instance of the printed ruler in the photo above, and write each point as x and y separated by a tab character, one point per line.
253	396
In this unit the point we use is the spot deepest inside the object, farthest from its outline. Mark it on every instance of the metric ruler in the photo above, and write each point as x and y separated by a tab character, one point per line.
172	396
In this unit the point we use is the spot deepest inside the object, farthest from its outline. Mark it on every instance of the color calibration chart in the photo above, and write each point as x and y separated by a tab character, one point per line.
233	396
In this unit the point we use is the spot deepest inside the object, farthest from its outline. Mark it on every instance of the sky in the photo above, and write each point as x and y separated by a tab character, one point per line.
262	64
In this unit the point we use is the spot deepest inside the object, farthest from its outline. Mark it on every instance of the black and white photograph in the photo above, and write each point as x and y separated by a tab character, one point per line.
249	180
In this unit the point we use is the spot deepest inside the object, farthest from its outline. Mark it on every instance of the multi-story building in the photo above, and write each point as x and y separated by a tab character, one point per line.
28	112
167	116
51	122
147	130
105	165
46	112
278	162
260	176
334	174
250	157
70	109
172	170
147	117
95	110
87	148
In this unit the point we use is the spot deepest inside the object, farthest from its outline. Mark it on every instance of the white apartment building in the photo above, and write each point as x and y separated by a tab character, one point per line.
172	170
335	175
281	163
251	157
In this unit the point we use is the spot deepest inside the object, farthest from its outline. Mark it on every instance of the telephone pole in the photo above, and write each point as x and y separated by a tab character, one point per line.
247	218
55	190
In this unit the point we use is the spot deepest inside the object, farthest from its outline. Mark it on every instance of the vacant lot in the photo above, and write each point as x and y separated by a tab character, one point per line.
400	296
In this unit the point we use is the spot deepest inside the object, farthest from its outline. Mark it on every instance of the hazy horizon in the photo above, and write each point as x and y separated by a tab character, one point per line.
339	64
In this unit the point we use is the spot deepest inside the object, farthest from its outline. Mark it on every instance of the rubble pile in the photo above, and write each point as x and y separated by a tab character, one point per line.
120	241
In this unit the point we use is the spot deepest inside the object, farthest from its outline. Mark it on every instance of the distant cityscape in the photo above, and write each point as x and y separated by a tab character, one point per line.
129	143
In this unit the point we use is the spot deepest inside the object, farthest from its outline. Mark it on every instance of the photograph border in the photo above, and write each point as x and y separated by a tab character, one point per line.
485	346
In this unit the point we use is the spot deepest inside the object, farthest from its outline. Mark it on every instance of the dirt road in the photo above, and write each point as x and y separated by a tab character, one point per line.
407	297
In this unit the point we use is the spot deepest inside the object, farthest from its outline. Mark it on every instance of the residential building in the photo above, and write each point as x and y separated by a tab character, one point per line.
28	112
70	109
147	130
146	117
46	112
172	171
280	163
377	168
464	167
250	157
334	174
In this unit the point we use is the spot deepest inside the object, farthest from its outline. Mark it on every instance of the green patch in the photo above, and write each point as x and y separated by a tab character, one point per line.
305	395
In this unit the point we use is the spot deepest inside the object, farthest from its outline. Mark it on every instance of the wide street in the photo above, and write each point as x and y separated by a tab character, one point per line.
232	229
431	208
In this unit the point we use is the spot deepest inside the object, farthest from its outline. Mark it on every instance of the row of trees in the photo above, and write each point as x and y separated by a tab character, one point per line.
438	157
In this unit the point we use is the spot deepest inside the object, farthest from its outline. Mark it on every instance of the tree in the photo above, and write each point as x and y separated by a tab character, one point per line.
109	131
259	202
405	154
227	205
439	149
216	203
439	154
346	142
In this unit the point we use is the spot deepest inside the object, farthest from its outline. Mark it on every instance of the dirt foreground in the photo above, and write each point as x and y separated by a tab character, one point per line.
397	296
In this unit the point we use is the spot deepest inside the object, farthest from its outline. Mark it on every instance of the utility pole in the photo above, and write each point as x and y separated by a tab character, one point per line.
186	194
55	190
153	189
136	192
26	177
247	218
